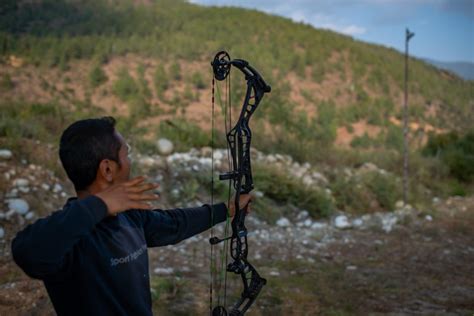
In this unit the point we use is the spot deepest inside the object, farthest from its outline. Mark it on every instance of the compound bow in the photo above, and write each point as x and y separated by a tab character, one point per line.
239	138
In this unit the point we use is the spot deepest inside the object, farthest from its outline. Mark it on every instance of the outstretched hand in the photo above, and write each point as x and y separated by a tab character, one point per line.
128	195
245	199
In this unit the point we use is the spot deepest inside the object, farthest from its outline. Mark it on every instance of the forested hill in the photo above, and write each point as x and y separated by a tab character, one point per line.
149	60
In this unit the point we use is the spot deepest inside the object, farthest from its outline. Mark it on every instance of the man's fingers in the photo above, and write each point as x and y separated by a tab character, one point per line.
143	197
134	181
142	188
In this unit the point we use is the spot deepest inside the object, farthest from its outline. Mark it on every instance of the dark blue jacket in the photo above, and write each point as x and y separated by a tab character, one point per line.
93	264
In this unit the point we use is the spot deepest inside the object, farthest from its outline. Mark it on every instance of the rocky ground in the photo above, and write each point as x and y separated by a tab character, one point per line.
405	262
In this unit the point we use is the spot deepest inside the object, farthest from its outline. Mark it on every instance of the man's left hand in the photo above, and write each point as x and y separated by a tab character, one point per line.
243	201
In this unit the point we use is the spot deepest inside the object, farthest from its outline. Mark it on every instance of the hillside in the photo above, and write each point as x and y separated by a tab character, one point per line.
334	100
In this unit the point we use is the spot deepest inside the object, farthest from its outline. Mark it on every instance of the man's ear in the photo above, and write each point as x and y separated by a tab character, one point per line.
107	170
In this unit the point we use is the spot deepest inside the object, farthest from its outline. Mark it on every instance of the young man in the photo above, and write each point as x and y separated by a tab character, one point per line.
92	255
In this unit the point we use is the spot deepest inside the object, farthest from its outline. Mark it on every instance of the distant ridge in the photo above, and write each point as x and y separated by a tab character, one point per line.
464	70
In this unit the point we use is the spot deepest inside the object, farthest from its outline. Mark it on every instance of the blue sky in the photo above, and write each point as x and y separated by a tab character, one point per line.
444	29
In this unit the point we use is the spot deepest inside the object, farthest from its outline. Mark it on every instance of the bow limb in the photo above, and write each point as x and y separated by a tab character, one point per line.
239	141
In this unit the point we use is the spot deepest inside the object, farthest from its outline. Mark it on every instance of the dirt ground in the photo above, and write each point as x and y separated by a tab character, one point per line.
420	268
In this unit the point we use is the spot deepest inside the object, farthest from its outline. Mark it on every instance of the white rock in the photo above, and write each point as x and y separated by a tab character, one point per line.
341	222
399	204
165	271
146	161
436	200
357	222
318	225
45	186
388	222
307	180
308	222
24	189
218	155
7	176
283	222
30	216
320	177
12	194
428	218
2	232
20	182
20	206
271	159
274	273
165	146
258	194
302	215
57	188
351	268
5	154
368	166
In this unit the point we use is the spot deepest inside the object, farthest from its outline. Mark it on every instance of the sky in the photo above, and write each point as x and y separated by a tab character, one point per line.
444	29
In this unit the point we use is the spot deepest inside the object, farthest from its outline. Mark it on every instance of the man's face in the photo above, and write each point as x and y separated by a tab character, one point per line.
123	172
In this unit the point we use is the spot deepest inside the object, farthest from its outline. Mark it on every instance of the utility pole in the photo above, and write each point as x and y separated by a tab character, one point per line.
408	36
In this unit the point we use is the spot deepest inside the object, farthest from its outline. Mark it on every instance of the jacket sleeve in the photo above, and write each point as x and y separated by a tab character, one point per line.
166	227
44	249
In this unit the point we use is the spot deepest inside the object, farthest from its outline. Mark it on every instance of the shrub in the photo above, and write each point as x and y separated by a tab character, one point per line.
176	71
125	86
198	81
369	191
160	79
363	141
457	152
97	76
184	134
282	188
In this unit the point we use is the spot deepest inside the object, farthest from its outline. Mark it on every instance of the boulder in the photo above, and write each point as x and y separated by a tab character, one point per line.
20	206
341	222
164	146
5	154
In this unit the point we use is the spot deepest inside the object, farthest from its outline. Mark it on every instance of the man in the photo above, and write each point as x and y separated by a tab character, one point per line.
92	255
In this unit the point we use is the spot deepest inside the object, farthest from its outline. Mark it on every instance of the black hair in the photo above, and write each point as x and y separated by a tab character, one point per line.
83	145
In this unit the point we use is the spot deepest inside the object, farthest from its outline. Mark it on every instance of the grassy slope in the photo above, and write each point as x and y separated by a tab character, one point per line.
154	58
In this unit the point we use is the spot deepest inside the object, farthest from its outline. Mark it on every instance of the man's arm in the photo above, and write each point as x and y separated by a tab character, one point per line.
166	227
44	248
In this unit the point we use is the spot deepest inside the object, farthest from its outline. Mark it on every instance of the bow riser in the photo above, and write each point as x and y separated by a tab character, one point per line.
239	140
